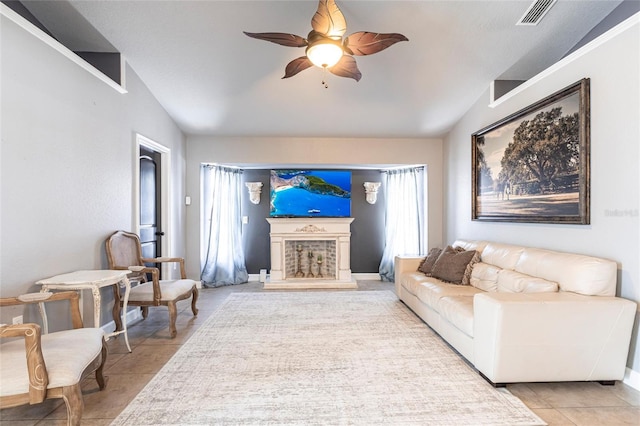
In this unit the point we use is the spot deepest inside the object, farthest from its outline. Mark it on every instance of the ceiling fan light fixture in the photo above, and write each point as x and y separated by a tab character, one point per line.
324	54
326	45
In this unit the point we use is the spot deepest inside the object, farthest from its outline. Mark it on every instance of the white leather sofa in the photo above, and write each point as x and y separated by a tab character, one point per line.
529	315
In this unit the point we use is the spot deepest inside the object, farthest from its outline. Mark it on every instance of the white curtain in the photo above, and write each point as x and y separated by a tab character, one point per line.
222	257
404	218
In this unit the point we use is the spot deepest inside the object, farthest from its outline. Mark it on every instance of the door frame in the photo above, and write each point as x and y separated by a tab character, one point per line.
165	194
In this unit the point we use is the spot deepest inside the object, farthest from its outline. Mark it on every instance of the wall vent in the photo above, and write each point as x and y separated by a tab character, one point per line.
536	12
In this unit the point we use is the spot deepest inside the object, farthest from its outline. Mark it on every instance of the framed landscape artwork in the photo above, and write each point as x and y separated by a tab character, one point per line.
533	166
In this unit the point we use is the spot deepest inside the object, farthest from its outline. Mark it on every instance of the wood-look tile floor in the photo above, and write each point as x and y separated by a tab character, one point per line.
127	373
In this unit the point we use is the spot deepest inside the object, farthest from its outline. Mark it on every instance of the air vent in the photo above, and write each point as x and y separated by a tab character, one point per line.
536	12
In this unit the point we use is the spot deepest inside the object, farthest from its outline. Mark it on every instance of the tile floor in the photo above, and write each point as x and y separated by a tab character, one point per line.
128	373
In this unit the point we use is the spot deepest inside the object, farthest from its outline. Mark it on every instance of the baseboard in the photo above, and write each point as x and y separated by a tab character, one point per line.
632	378
132	316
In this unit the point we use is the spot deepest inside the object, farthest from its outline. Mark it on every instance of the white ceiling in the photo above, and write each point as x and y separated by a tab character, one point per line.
212	79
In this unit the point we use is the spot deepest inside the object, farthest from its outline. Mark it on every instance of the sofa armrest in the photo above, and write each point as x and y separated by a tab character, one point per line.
403	264
525	337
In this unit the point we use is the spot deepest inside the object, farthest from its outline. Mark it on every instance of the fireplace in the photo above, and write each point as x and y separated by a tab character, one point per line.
310	259
310	253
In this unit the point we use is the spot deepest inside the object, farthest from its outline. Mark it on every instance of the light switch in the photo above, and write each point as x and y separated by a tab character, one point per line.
245	220
187	201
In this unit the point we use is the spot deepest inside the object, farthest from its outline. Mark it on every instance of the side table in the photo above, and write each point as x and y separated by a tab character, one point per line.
93	280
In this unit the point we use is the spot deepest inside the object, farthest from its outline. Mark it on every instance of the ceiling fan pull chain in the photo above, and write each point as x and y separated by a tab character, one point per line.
324	75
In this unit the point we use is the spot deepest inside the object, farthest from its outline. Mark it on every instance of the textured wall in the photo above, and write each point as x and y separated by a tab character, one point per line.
68	164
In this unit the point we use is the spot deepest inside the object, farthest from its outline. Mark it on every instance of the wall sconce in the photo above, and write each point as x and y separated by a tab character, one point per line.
255	188
371	191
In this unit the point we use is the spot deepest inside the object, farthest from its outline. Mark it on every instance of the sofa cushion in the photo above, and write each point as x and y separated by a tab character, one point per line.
458	310
452	264
411	281
427	263
485	276
504	256
430	292
515	282
470	245
577	273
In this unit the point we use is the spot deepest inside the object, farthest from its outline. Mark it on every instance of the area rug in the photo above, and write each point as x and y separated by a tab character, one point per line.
319	358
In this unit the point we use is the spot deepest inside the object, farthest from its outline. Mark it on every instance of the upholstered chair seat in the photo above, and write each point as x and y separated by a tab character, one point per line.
67	354
170	290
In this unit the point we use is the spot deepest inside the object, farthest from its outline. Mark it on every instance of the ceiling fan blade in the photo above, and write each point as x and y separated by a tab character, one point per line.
346	67
329	20
367	43
289	40
297	65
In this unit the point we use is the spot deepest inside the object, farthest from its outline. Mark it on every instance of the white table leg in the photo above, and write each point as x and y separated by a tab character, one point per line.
127	290
43	312
97	304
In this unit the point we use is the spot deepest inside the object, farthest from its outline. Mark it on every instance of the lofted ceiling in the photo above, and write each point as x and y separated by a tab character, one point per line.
213	80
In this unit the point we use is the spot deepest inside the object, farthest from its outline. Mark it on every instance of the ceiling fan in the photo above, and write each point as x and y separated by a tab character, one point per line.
325	46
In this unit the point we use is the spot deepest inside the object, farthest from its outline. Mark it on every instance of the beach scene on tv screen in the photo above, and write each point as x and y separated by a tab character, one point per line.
309	193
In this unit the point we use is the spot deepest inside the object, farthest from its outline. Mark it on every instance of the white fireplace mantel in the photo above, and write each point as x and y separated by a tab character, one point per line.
289	233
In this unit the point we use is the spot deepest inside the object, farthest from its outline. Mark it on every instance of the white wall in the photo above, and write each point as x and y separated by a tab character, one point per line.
614	70
67	163
309	151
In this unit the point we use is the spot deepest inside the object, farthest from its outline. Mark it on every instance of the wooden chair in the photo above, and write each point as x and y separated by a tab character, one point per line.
36	367
124	252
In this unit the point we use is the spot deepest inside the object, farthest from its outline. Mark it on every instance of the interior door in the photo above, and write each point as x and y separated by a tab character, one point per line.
150	211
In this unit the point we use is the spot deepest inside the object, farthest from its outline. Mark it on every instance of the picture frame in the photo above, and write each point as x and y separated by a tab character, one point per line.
533	166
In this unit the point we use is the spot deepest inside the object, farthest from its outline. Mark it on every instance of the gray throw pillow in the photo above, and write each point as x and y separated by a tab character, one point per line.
466	278
427	263
452	265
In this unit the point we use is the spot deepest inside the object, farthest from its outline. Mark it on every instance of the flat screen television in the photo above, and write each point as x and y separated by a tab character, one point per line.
310	193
